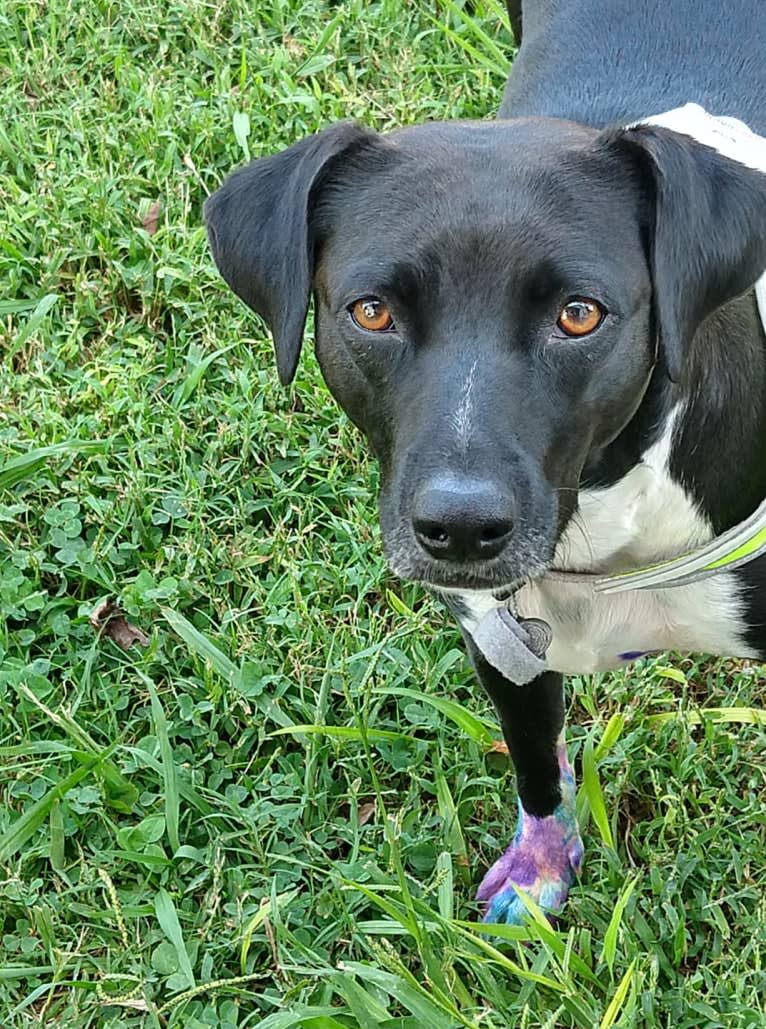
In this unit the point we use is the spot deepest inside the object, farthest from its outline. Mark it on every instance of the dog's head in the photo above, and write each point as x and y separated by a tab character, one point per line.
491	302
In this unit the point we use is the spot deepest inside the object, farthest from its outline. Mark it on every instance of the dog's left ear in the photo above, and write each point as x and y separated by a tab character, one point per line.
707	231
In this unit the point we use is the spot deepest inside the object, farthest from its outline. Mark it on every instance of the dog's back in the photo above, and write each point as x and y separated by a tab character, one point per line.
605	61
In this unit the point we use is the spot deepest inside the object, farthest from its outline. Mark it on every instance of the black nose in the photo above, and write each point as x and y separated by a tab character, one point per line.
462	519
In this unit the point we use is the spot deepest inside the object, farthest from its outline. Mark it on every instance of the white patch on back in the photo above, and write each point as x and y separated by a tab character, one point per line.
644	517
731	137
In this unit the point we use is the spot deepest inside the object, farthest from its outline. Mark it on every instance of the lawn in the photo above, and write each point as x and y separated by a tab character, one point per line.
273	808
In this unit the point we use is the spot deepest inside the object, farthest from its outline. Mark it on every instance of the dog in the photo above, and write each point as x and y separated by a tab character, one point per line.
546	328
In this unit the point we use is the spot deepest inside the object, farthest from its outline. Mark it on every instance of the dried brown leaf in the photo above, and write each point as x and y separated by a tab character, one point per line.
108	620
366	811
127	1002
151	219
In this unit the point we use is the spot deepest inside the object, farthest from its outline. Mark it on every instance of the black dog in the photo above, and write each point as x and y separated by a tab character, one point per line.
546	328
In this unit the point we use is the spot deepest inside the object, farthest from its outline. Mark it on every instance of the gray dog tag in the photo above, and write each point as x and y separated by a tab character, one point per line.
515	648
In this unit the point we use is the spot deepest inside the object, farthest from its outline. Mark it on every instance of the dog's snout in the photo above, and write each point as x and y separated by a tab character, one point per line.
462	520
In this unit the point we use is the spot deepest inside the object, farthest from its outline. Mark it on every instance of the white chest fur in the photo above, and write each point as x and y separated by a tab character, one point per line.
644	517
593	632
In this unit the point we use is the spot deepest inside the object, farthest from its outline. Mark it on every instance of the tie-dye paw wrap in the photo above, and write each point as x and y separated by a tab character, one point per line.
543	860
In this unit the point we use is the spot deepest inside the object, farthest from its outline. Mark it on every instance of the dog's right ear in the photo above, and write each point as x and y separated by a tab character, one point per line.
259	228
708	231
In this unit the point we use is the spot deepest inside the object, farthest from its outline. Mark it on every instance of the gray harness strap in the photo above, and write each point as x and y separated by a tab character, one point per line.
515	648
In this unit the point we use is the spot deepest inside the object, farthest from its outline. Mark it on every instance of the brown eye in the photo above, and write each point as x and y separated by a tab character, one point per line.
372	314
580	317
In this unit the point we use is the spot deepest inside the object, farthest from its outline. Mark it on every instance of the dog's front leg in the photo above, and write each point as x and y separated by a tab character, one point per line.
546	852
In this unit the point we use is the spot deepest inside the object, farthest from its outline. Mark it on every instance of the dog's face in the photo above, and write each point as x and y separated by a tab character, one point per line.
483	315
488	300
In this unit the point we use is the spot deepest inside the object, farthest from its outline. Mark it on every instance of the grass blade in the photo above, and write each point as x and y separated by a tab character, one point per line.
56	823
610	735
185	789
500	931
167	916
34	321
266	910
240	124
186	389
27	825
16	306
317	1018
453	831
10	972
615	1004
500	69
121	793
366	1009
200	645
721	715
445	889
409	993
488	45
595	797
463	719
319	48
610	936
26	465
342	732
169	773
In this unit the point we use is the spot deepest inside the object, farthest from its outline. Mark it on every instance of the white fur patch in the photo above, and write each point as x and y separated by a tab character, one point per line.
731	137
462	419
593	632
644	517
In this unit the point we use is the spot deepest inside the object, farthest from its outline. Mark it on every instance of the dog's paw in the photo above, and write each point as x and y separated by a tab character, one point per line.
543	861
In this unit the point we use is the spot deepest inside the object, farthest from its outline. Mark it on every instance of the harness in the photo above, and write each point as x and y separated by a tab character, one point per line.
516	647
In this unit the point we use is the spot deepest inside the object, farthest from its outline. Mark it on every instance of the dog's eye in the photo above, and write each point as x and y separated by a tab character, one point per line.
372	314
579	317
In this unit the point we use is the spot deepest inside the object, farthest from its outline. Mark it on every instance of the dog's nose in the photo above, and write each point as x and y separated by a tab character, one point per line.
462	519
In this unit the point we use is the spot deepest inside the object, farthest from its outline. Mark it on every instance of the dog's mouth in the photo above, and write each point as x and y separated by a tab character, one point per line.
502	576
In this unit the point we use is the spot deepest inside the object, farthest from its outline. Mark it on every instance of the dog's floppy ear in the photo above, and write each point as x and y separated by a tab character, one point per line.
708	237
259	228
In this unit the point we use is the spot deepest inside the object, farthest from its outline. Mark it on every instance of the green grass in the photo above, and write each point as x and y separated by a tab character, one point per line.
270	815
